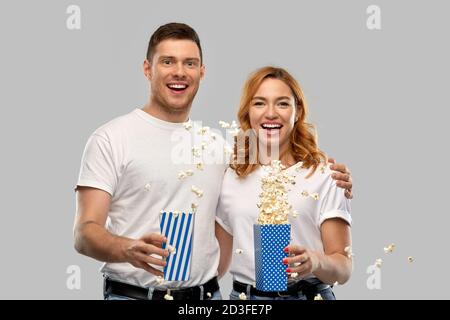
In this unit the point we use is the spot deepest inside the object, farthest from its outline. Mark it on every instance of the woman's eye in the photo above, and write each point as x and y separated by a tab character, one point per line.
258	103
284	104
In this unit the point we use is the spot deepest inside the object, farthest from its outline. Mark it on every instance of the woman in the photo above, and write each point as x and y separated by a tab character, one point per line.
273	108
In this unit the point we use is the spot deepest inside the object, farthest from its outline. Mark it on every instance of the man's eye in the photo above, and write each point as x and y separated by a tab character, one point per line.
167	62
191	64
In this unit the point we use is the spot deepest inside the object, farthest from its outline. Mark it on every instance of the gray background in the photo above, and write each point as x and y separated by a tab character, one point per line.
379	100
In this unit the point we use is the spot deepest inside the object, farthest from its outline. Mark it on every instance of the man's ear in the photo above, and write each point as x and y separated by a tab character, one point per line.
202	72
147	67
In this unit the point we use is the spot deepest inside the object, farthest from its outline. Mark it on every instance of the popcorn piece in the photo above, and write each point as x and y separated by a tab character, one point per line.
199	165
159	279
410	259
294	275
390	248
243	296
196	152
295	214
335	284
318	297
184	174
305	193
378	263
348	250
171	249
187	125
198	192
194	207
203	130
322	169
224	124
204	145
208	294
147	187
315	196
168	296
254	284
239	251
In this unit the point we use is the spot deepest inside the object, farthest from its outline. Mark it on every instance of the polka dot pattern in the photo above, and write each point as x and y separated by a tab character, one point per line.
270	241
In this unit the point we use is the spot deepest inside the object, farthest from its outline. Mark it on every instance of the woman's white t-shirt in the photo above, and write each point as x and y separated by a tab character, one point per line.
313	201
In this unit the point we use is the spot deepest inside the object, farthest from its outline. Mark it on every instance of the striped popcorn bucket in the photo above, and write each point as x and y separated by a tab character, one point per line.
177	228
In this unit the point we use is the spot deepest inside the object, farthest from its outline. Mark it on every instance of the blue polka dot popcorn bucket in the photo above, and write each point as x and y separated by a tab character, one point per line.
270	241
177	227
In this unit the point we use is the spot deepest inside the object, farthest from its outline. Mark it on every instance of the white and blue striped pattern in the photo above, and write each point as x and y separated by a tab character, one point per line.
178	231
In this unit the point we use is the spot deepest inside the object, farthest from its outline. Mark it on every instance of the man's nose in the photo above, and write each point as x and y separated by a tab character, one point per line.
178	70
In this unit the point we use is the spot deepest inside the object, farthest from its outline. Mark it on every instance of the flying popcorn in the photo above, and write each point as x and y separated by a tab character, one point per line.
159	279
295	214
199	165
378	263
348	250
318	297
168	297
198	192
196	152
294	275
194	206
203	130
208	294
224	124
171	249
315	196
242	296
390	248
239	251
187	125
322	169
147	187
410	259
184	174
305	193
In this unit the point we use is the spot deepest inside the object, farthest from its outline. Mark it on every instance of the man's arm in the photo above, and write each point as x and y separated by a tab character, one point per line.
93	240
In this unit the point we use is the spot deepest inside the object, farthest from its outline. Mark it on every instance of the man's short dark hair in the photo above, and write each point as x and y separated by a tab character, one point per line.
173	30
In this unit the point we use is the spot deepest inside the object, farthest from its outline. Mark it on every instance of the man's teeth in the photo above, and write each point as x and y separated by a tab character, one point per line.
271	126
177	86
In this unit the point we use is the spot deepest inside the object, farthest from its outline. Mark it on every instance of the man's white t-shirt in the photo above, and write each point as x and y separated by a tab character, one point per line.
137	159
238	212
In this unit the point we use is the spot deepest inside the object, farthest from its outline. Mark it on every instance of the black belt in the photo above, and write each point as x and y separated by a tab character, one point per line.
139	293
310	288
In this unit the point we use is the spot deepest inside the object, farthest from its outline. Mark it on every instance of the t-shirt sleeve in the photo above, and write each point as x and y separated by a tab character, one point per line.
222	212
99	168
335	205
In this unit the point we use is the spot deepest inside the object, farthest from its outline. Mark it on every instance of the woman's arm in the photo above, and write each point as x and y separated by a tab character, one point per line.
332	265
226	247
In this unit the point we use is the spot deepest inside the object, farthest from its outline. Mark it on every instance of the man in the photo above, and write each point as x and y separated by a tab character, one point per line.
128	175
